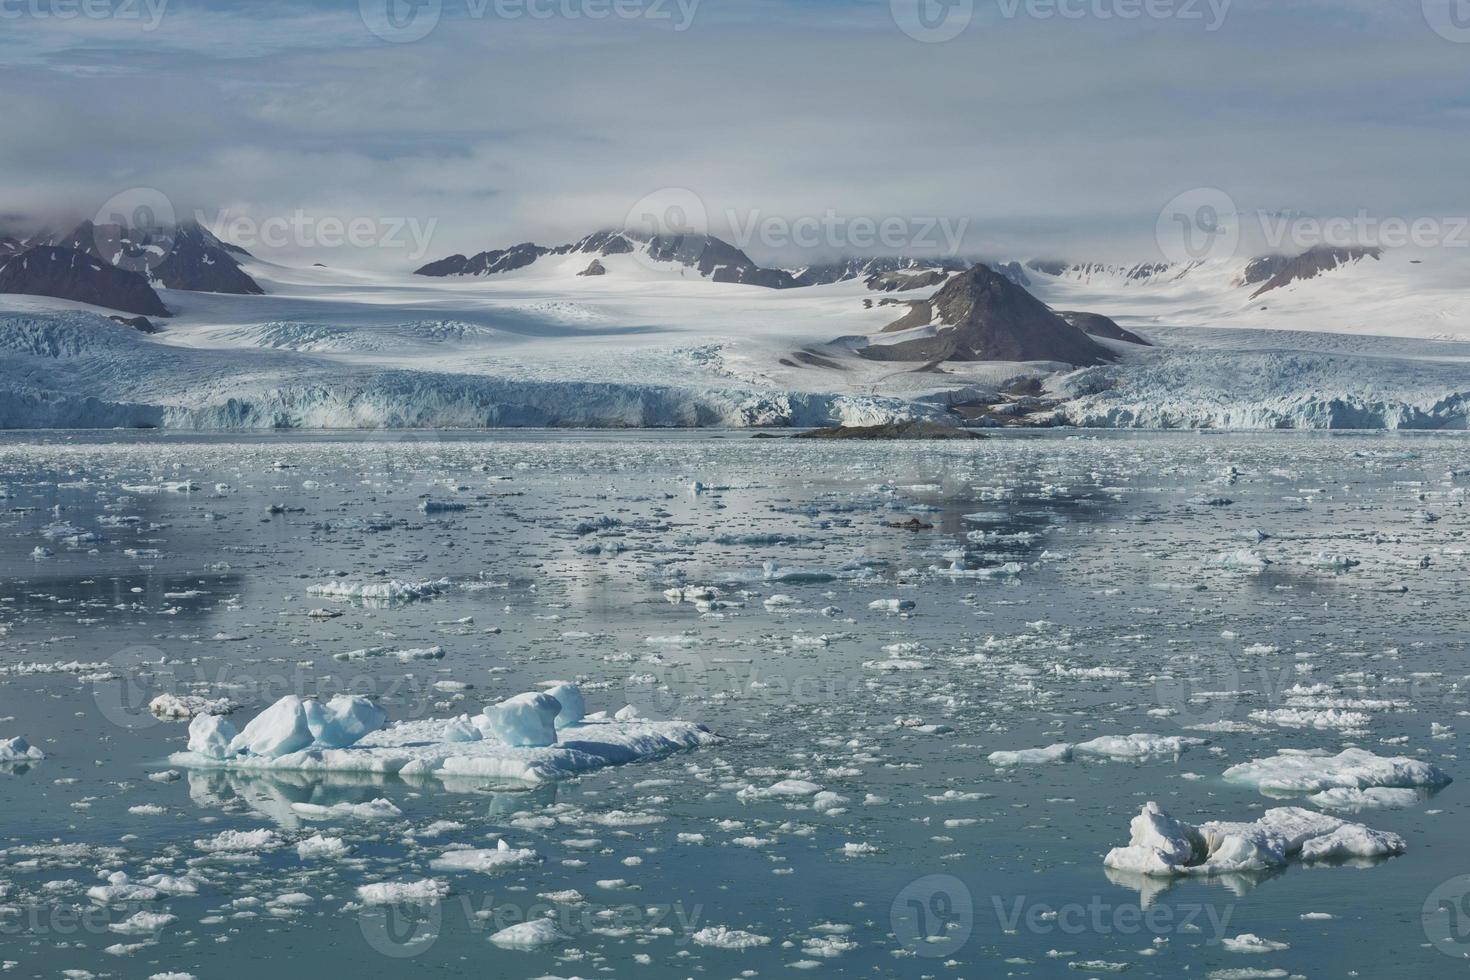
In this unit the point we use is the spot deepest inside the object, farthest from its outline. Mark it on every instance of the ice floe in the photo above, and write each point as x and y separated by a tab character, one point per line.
281	739
1299	772
1161	846
1135	746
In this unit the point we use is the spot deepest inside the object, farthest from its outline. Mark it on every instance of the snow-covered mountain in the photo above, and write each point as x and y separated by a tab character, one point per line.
617	252
121	268
681	333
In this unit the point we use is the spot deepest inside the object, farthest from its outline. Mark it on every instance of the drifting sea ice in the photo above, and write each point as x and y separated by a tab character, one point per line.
496	858
1136	746
1293	772
17	749
380	592
281	739
1161	846
529	935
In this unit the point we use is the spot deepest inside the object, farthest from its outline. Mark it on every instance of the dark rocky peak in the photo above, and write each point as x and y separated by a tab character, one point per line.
72	274
1086	270
1275	271
983	316
1098	325
868	267
182	256
488	263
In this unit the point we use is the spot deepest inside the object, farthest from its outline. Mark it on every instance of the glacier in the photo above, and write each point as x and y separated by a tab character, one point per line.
1372	345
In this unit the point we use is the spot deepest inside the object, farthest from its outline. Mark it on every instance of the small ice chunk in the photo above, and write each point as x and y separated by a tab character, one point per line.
321	847
188	706
526	720
1249	942
343	720
211	736
496	858
573	705
529	935
278	730
379	809
425	891
461	730
17	749
722	937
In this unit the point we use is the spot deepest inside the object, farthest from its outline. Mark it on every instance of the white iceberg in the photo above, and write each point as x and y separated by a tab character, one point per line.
1160	846
529	935
426	891
573	705
182	706
13	750
1299	772
436	748
278	730
489	859
525	720
343	720
1139	745
211	735
380	592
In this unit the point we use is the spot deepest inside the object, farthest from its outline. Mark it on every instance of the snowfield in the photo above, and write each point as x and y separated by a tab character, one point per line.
1378	343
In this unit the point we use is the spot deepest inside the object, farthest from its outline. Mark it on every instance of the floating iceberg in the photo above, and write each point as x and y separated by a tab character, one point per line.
526	720
488	859
1136	746
380	592
181	706
529	935
441	748
13	750
1297	772
1160	846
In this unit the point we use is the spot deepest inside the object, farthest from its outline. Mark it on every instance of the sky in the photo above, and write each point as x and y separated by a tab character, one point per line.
800	129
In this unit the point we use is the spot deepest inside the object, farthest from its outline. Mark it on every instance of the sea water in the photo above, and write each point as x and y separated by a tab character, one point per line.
861	624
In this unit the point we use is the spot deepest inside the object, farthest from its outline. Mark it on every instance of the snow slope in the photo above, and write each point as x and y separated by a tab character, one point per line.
1375	344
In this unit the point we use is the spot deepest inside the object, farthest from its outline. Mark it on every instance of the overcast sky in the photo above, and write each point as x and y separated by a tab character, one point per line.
1058	135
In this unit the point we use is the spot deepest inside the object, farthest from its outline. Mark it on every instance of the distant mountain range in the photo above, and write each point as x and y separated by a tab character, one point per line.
717	260
121	268
972	311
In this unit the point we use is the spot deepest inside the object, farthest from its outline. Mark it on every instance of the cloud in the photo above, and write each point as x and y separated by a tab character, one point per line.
1054	135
